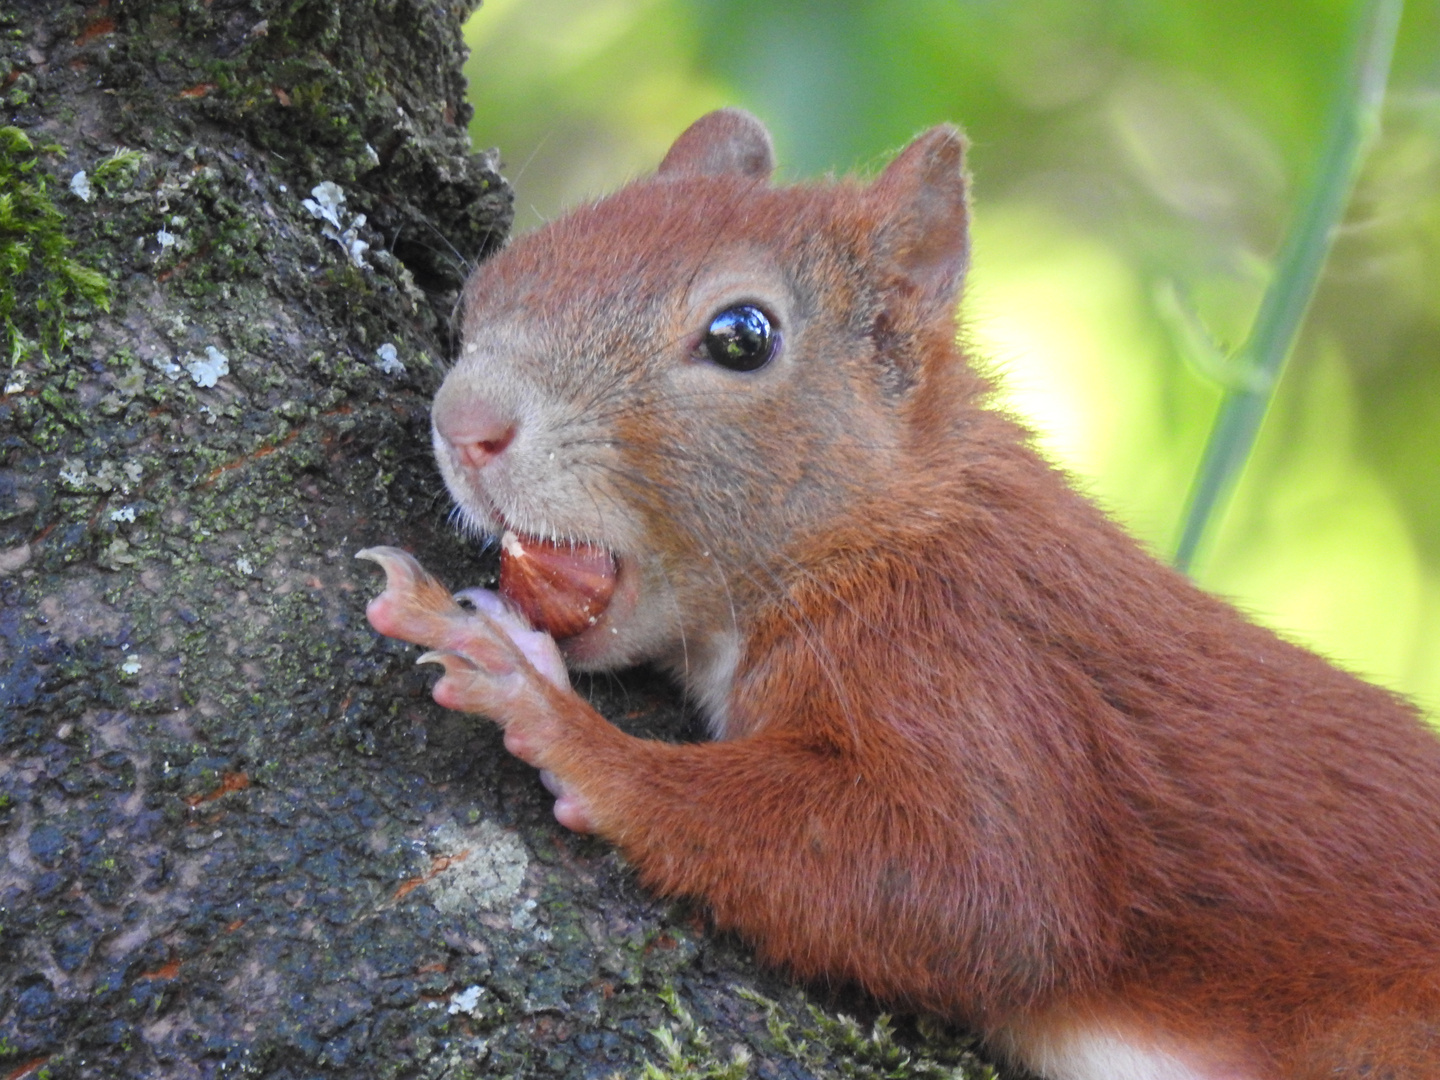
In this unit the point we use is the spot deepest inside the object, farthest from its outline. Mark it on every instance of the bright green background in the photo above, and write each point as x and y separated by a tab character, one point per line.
1132	160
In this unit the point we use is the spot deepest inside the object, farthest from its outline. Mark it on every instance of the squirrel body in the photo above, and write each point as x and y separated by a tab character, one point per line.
975	749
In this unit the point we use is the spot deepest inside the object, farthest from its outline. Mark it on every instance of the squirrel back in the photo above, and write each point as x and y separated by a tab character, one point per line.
976	749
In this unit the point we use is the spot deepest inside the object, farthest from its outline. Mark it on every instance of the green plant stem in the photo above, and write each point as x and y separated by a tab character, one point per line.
1354	119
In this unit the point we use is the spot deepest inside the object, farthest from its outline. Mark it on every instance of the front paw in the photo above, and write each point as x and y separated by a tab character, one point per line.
415	607
494	665
488	676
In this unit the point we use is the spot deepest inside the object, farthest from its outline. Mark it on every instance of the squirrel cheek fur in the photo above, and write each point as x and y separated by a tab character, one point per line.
976	750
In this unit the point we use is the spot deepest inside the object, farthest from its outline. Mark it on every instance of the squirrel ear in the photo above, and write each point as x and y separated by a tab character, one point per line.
723	141
924	213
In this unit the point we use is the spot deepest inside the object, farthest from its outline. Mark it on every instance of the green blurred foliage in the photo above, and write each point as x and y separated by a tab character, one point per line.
1135	163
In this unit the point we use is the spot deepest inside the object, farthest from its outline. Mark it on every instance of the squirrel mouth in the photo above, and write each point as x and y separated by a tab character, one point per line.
562	587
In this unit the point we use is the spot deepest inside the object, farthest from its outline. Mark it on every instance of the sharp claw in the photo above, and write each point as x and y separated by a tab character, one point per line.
446	657
401	568
413	606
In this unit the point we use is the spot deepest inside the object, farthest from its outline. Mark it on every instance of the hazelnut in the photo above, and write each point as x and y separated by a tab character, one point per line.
562	588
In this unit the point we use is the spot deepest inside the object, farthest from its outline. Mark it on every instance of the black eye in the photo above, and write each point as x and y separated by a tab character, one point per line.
741	338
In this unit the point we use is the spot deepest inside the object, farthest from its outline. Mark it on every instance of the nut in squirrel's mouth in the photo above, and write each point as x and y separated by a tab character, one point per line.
563	587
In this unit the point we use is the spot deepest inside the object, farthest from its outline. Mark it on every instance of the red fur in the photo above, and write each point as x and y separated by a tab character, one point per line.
984	755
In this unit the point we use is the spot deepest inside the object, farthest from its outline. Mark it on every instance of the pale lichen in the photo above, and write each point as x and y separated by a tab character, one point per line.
484	867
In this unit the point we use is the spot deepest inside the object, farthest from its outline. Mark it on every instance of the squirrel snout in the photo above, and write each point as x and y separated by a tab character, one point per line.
474	429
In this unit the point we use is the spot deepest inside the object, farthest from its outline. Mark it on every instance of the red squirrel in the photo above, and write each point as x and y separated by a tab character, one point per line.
974	748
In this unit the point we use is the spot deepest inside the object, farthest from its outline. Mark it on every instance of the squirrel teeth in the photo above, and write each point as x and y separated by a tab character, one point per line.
562	588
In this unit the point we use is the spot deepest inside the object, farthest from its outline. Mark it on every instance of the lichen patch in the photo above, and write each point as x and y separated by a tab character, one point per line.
485	869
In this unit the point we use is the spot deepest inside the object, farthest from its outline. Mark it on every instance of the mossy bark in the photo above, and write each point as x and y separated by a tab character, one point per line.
239	839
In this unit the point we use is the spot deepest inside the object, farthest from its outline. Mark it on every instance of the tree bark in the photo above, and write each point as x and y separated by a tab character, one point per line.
239	838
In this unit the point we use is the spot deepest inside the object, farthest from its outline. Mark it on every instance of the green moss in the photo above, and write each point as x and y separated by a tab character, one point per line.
828	1046
874	1054
687	1049
117	173
40	284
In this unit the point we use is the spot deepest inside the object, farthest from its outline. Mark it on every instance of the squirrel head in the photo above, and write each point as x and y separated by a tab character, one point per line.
704	372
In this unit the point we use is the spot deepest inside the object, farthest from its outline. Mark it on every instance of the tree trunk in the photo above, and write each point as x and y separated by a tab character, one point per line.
239	837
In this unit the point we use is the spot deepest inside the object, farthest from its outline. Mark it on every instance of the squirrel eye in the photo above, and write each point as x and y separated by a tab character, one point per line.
741	338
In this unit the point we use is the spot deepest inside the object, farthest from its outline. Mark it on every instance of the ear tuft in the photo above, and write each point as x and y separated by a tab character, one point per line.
723	141
923	204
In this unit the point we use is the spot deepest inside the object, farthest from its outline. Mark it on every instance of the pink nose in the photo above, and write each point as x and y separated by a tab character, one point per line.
476	431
